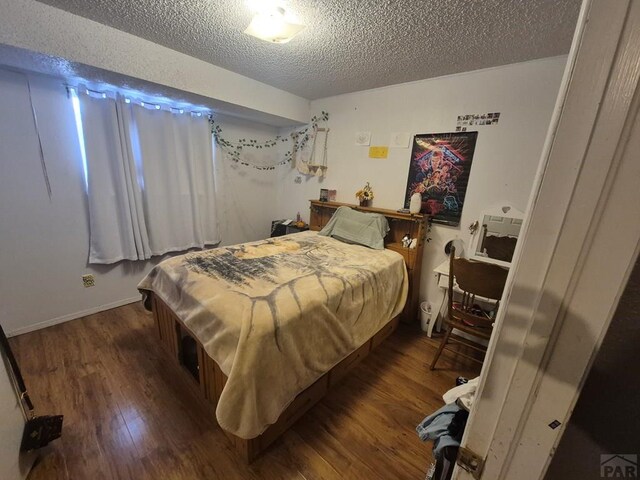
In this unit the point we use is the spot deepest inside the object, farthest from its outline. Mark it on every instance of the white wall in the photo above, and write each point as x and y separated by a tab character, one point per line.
44	243
37	27
14	465
505	160
246	196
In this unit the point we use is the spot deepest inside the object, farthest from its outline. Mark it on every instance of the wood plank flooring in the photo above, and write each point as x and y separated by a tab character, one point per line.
129	413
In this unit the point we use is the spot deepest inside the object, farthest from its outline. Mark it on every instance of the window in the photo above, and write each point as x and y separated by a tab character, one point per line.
148	175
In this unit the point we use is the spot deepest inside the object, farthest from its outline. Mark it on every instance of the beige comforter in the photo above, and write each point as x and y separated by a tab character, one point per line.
277	314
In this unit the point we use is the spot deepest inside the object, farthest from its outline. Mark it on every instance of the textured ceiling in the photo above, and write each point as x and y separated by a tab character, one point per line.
349	45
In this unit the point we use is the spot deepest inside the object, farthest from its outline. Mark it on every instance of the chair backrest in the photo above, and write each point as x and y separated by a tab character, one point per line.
475	279
500	248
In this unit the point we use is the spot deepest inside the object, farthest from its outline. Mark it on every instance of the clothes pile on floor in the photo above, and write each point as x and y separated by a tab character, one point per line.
445	427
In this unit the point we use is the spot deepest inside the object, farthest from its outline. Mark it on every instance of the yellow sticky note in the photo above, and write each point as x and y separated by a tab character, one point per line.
378	152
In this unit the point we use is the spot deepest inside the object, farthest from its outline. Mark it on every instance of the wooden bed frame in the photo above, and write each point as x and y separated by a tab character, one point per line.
210	379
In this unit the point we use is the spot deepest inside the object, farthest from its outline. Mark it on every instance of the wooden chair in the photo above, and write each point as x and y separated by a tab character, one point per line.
473	279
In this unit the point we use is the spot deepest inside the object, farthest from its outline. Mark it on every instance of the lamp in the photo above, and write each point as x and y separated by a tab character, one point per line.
271	26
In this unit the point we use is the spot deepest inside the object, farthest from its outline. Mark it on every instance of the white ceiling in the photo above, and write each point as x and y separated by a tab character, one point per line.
349	45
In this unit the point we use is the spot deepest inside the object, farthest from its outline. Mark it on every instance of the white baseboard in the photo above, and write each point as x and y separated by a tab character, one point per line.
72	316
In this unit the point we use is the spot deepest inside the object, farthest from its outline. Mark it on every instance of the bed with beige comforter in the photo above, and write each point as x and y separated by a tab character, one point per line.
277	314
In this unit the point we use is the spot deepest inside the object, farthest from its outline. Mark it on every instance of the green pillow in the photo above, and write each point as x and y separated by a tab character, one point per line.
351	226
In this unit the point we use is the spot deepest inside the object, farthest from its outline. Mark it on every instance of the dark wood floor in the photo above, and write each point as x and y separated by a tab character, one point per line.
129	413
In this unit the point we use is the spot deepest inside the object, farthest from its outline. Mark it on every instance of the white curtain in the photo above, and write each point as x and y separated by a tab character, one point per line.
116	221
177	168
150	180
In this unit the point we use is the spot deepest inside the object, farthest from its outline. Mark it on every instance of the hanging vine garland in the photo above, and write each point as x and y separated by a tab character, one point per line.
298	140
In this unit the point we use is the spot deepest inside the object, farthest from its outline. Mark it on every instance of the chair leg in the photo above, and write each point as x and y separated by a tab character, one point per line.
444	341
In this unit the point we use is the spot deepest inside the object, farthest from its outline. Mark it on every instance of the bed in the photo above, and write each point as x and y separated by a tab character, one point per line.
275	323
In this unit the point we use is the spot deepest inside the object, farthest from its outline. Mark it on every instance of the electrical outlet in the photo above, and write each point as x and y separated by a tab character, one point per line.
298	179
88	280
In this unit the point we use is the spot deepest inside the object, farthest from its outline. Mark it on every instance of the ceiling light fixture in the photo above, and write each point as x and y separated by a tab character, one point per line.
272	26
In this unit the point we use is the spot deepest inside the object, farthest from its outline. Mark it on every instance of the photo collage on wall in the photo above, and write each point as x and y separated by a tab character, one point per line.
476	119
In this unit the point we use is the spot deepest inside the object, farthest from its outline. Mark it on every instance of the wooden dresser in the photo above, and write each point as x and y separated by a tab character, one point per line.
399	224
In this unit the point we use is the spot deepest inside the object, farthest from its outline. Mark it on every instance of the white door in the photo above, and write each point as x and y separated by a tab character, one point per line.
580	238
13	464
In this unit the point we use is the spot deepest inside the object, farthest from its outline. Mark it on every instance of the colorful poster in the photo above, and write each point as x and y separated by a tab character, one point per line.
439	171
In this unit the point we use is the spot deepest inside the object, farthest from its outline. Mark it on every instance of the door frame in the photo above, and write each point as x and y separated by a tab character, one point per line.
581	237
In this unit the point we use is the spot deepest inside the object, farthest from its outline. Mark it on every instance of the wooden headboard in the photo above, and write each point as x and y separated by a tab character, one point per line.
399	225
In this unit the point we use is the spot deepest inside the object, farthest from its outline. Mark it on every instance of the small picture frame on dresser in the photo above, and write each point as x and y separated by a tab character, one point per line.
324	195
